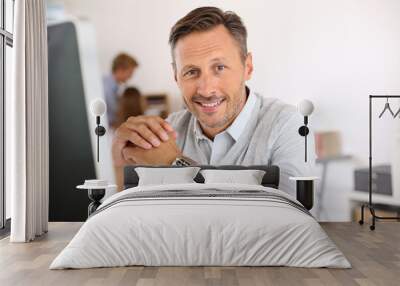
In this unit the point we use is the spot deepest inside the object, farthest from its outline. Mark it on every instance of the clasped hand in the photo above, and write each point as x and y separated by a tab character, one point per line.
147	140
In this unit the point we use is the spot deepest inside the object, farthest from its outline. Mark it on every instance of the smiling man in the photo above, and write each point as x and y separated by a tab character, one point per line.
225	122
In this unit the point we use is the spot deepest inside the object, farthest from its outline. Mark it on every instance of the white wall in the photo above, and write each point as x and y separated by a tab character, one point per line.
334	52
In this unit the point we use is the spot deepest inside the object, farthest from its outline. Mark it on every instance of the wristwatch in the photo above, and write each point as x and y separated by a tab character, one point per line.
183	161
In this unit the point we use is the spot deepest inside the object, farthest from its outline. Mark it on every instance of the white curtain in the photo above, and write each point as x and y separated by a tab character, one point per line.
27	124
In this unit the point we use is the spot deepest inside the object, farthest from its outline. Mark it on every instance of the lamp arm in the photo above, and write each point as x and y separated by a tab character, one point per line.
100	131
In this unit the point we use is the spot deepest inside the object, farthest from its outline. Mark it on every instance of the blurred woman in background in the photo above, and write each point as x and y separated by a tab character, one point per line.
129	104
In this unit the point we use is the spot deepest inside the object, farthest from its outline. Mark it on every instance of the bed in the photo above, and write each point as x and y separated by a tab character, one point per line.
201	223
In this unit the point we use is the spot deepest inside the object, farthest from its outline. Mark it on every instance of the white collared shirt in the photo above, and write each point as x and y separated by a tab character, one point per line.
264	133
215	150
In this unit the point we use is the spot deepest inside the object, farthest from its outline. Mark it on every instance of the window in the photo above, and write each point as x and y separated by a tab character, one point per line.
6	43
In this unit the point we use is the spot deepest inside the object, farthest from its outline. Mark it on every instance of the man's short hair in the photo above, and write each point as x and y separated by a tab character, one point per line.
204	19
123	61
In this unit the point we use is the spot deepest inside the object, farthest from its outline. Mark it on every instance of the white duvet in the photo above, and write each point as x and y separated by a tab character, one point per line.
183	231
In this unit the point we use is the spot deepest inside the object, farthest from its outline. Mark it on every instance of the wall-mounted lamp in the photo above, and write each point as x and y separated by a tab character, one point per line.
98	108
305	185
305	107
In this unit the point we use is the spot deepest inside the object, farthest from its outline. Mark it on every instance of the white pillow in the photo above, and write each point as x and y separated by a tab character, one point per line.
248	177
163	176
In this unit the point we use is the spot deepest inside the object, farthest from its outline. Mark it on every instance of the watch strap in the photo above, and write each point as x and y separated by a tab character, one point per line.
184	161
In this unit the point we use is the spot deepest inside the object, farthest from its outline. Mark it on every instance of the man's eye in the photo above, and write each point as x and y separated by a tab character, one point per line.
190	73
220	67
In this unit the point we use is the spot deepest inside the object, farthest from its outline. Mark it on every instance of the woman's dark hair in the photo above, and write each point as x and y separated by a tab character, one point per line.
129	104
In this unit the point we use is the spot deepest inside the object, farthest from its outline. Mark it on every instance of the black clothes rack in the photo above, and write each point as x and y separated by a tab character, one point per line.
369	205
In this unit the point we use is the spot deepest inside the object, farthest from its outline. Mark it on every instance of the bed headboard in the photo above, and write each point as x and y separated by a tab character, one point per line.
270	179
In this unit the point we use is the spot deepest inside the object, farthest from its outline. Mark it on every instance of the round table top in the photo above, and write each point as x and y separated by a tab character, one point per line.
95	185
311	178
86	187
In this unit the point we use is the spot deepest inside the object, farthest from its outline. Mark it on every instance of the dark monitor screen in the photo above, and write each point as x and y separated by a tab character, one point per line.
70	150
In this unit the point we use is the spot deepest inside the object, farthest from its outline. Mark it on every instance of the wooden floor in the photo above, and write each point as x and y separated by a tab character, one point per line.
375	257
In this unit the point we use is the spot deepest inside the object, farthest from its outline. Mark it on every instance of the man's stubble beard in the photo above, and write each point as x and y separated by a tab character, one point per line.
228	117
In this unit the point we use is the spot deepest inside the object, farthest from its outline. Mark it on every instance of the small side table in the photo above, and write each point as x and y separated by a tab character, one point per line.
96	191
305	190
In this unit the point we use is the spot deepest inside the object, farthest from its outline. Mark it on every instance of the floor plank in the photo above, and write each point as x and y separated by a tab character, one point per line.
375	257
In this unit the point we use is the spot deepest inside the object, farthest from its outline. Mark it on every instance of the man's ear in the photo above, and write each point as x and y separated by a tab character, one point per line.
248	65
174	71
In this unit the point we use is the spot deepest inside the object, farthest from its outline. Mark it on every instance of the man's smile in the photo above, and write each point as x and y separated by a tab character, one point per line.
210	106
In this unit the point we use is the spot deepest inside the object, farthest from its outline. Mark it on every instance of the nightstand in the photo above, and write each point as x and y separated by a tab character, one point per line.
305	190
96	191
